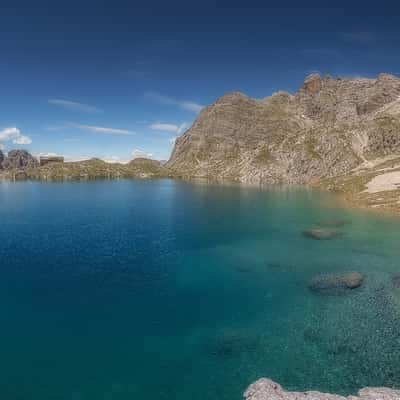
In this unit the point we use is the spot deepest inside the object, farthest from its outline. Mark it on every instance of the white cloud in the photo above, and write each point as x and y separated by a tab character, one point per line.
14	134
22	140
169	127
169	101
9	133
47	155
75	106
137	153
2	147
102	129
111	159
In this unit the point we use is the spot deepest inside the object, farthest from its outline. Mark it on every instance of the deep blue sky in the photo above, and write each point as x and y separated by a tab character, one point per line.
107	78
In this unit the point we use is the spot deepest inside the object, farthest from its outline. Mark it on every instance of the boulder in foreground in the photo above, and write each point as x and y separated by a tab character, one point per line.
265	389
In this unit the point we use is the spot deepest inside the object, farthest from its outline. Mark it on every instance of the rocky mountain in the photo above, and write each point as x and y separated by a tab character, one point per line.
329	127
19	159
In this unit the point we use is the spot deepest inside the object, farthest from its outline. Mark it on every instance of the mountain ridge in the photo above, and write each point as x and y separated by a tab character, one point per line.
326	128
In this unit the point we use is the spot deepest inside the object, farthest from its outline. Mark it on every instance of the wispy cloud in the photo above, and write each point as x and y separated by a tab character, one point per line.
14	134
169	127
102	129
169	101
191	106
75	106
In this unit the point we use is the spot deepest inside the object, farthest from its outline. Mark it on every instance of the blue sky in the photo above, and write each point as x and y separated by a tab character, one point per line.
118	79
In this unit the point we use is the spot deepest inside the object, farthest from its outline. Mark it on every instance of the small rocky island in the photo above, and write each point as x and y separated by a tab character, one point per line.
265	389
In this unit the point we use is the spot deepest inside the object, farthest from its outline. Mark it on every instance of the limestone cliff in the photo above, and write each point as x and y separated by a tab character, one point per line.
327	128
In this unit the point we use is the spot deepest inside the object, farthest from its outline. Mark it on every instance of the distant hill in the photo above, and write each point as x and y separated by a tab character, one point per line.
79	170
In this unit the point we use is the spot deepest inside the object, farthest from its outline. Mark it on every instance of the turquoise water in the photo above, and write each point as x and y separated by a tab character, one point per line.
168	290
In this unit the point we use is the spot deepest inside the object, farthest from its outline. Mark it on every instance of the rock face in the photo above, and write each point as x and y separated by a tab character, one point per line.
19	159
265	389
334	282
1	159
327	128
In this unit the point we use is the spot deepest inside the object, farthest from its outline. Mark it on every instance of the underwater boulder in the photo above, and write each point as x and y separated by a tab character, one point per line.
396	281
336	282
321	233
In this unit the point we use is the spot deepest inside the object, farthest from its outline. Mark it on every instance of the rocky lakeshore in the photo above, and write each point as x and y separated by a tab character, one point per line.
340	135
266	389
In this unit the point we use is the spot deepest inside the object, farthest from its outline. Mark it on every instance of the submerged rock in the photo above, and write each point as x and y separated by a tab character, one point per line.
321	233
266	389
396	281
335	282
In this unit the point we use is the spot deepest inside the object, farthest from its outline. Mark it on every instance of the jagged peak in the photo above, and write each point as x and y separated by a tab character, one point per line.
282	93
312	84
278	97
312	77
233	97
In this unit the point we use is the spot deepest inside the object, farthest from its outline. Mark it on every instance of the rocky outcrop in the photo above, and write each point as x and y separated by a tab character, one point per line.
265	389
19	159
326	129
1	159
